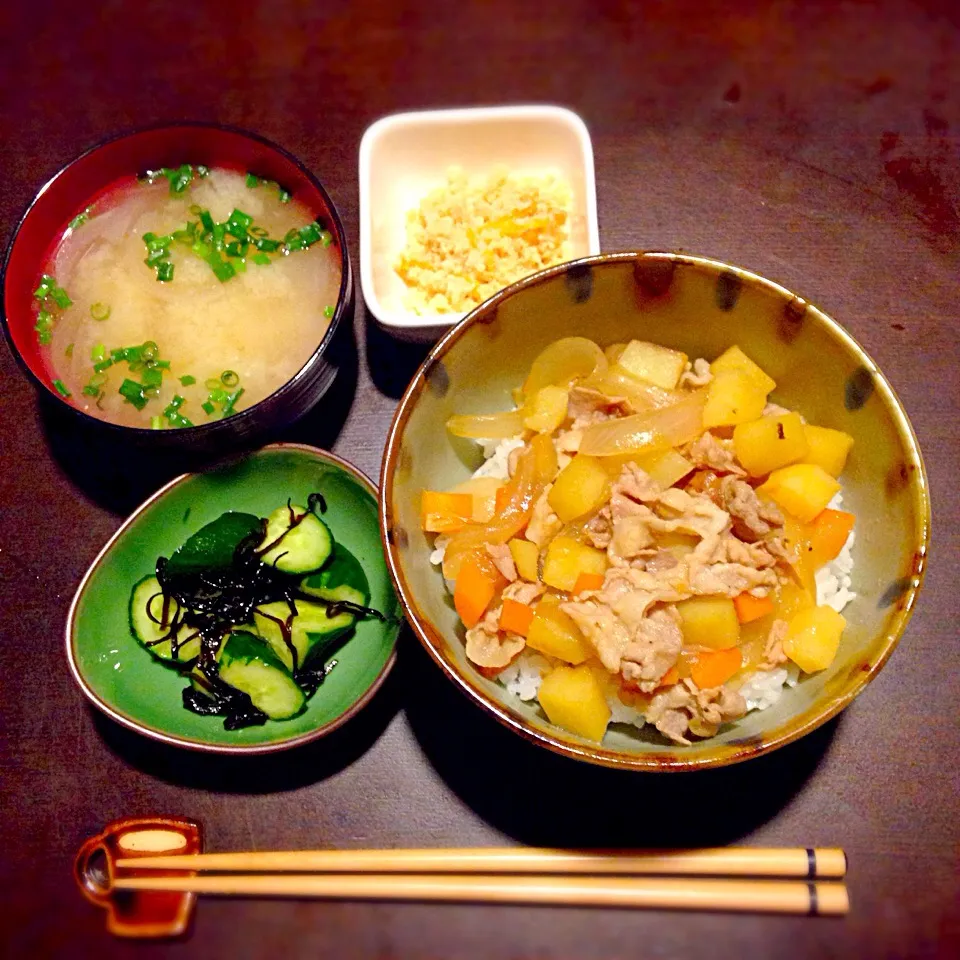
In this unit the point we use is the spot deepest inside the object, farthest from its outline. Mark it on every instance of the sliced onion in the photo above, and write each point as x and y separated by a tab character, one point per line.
522	492
617	382
647	432
487	426
566	360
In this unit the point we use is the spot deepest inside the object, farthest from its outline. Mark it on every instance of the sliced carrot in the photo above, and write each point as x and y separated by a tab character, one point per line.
515	617
501	500
445	512
588	581
671	677
476	584
749	607
828	533
718	666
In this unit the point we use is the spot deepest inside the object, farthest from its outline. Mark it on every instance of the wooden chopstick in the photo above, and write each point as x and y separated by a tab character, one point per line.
812	863
677	893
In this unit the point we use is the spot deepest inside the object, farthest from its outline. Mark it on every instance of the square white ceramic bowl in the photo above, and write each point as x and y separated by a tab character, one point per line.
404	156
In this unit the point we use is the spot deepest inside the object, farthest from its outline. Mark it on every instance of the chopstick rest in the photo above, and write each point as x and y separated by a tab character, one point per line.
153	870
140	914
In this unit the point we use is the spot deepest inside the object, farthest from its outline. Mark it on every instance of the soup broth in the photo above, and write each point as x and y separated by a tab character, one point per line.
205	343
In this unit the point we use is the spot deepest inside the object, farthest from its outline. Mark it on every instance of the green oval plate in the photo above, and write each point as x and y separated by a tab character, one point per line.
124	681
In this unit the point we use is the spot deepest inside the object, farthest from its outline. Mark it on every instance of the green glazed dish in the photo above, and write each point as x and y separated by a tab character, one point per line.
124	681
701	307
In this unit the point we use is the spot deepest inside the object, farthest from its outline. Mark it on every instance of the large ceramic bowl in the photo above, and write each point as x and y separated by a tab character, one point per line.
702	307
133	688
85	179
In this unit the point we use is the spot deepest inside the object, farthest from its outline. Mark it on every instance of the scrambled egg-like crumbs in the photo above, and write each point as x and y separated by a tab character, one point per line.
473	236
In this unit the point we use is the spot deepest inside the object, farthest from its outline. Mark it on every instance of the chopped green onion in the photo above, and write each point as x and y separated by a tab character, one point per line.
326	238
284	195
156	423
206	220
100	311
98	353
310	234
147	351
176	402
98	379
237	249
162	364
202	171
151	392
231	400
164	272
223	270
239	220
179	178
256	231
328	312
218	396
253	180
151	377
266	245
69	350
80	219
44	327
47	283
102	365
60	298
133	393
207	407
91	391
261	258
187	380
212	384
217	234
61	388
229	378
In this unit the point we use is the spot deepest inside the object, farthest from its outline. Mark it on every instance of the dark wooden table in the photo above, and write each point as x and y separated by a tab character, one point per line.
814	143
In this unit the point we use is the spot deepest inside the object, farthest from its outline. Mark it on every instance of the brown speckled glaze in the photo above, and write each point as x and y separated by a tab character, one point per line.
700	306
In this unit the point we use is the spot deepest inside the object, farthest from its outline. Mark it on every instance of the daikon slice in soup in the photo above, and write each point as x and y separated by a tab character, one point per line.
186	297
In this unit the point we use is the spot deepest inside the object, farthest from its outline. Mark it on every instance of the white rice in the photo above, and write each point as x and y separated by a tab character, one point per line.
760	688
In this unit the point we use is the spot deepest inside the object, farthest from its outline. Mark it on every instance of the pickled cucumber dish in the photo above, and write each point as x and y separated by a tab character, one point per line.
650	540
251	611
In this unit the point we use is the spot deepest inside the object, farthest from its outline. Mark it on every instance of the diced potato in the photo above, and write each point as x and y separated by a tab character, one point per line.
709	622
548	410
736	359
484	493
770	442
525	556
566	559
554	633
827	448
653	363
581	486
733	397
813	638
803	489
572	698
666	468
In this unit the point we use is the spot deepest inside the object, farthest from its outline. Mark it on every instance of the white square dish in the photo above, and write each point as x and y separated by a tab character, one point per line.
404	156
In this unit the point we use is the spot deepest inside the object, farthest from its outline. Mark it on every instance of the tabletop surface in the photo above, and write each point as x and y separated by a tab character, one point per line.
813	143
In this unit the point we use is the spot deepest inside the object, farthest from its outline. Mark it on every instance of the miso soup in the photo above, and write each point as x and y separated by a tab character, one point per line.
185	297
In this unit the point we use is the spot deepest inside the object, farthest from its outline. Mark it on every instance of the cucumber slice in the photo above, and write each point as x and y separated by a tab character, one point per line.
156	622
213	546
299	541
311	630
342	578
247	664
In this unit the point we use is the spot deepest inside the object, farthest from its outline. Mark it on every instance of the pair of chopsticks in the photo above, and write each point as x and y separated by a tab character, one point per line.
746	879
